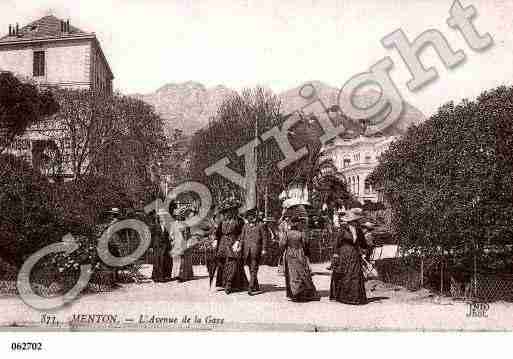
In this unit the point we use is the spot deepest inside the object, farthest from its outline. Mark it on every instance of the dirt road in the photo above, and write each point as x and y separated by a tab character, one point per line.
169	306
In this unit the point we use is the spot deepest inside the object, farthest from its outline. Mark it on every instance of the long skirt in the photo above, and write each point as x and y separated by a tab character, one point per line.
182	267
186	271
162	266
231	274
298	278
347	280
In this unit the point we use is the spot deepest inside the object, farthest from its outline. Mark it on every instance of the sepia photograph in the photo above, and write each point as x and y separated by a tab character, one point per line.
255	166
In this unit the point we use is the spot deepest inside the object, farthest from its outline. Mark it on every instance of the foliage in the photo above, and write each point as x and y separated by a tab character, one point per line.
239	119
116	137
449	180
107	143
22	104
28	223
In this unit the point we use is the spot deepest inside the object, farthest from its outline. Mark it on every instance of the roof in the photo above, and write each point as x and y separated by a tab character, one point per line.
48	27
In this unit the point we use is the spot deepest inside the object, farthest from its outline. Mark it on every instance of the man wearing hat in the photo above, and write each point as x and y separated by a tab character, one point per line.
254	240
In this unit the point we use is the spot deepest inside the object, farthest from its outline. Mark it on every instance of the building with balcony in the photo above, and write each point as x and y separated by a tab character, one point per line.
356	158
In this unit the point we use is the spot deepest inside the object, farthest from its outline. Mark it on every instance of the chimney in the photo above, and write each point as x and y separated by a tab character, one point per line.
10	30
17	29
67	26
62	26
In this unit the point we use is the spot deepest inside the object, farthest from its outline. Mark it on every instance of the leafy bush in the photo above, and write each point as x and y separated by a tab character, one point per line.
449	180
28	223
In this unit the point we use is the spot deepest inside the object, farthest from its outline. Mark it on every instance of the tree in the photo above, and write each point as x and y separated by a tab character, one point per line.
239	119
28	221
234	125
112	137
22	105
449	180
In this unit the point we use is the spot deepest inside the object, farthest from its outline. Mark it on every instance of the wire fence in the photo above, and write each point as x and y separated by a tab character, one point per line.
471	283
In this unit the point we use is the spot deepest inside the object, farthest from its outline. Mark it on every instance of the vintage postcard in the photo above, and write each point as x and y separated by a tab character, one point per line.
237	165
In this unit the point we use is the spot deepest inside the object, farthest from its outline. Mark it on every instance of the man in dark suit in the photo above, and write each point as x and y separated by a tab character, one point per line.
254	239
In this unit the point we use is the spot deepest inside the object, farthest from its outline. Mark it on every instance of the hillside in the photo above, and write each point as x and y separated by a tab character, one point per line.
189	105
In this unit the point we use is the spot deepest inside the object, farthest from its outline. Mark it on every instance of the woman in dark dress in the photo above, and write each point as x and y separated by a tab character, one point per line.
230	268
298	278
347	280
162	263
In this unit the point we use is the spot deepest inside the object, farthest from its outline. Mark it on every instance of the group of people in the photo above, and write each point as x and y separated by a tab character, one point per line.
238	242
172	244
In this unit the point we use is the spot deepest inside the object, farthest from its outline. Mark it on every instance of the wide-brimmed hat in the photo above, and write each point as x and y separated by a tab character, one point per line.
296	212
290	202
184	210
369	225
228	204
352	214
162	211
114	211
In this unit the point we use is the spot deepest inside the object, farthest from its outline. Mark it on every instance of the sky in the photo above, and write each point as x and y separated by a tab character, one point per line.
279	44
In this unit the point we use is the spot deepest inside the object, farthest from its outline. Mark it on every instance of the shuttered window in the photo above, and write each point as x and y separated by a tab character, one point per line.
39	63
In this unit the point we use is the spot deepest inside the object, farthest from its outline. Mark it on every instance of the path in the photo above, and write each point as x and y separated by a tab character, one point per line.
390	308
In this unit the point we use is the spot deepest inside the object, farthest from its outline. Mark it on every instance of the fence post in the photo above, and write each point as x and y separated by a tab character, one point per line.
441	276
422	272
475	276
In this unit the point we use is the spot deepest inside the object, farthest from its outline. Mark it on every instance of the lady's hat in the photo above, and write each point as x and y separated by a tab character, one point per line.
184	210
228	204
290	202
297	212
369	225
162	212
114	211
353	214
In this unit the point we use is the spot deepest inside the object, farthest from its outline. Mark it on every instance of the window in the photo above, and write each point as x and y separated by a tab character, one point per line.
356	157
368	159
367	188
347	162
39	63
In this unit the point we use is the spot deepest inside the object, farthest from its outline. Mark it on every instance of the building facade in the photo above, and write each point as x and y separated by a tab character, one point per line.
355	159
52	52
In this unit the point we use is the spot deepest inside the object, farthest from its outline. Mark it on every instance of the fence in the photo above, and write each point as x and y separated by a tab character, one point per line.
319	243
440	276
49	282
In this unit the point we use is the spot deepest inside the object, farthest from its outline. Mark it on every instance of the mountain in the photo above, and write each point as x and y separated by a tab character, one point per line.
292	100
189	105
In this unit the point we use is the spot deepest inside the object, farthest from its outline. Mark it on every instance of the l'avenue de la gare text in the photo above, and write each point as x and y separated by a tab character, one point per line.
146	319
186	319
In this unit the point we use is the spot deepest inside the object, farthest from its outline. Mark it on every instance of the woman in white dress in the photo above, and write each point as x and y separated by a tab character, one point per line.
181	251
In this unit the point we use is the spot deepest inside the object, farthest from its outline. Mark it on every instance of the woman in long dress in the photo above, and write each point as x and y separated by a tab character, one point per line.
230	268
298	278
347	279
162	261
181	247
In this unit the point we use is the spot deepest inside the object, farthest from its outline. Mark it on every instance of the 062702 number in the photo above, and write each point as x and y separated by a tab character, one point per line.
26	346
